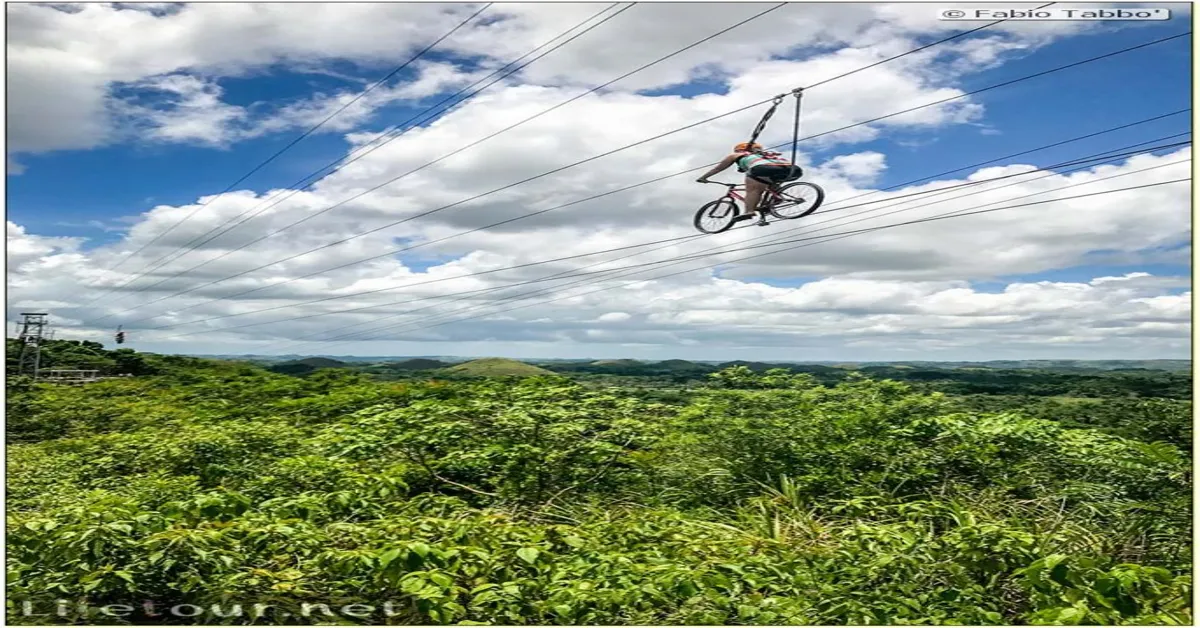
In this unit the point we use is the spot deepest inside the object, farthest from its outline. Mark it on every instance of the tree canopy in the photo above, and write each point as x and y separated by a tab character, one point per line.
759	498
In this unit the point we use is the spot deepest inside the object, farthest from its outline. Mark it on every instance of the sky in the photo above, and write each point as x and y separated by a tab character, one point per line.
430	213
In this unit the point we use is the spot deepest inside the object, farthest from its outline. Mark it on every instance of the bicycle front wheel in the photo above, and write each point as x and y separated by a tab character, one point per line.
716	216
797	200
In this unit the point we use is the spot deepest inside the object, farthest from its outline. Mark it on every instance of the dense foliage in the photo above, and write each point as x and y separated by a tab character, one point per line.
1097	380
761	498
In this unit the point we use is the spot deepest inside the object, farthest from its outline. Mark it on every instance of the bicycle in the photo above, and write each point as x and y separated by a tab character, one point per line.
725	210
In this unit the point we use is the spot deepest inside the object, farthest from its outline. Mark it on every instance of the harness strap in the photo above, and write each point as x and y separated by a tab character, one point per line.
769	157
762	124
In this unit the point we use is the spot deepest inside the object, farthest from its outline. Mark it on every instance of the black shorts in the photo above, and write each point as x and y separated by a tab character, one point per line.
775	173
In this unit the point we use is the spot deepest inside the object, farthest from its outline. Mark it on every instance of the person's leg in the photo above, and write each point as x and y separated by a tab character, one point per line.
766	177
754	192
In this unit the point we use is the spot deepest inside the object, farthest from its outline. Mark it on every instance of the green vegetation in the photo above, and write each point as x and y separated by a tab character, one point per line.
769	497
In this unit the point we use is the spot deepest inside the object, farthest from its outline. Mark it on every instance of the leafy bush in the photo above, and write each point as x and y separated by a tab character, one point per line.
764	498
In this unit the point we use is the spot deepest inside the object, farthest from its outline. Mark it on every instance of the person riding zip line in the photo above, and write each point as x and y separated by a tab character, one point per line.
762	169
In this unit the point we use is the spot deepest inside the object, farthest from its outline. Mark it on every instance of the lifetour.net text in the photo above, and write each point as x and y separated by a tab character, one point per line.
151	609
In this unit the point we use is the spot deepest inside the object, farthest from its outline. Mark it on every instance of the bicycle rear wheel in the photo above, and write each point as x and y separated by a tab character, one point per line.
717	216
797	200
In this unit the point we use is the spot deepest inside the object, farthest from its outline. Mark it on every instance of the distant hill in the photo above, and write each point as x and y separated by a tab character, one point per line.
418	364
305	366
616	363
816	369
578	363
757	367
495	367
321	363
682	365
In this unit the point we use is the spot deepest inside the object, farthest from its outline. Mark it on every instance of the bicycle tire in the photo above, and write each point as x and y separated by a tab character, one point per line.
808	207
729	218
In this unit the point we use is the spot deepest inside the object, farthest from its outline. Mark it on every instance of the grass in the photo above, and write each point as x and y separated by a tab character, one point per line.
496	367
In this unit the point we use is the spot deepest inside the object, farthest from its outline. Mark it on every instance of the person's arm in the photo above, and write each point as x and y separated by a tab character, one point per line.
725	163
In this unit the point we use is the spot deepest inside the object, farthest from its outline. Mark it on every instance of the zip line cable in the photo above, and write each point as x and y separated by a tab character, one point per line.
606	193
866	67
938	191
916	50
798	92
668	242
710	252
291	193
305	134
456	152
364	193
552	172
847	234
364	150
1173	163
1087	162
694	236
830	238
415	246
636	144
702	254
390	135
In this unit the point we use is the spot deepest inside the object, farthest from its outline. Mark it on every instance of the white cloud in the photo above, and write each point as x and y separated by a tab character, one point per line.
25	248
62	64
881	294
861	168
614	317
888	292
196	114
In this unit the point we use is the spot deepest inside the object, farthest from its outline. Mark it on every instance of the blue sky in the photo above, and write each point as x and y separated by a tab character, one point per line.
106	183
96	192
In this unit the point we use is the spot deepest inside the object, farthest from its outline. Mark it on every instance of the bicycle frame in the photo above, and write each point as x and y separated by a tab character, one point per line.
733	188
774	199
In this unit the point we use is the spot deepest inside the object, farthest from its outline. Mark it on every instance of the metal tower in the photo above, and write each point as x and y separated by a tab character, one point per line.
33	328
